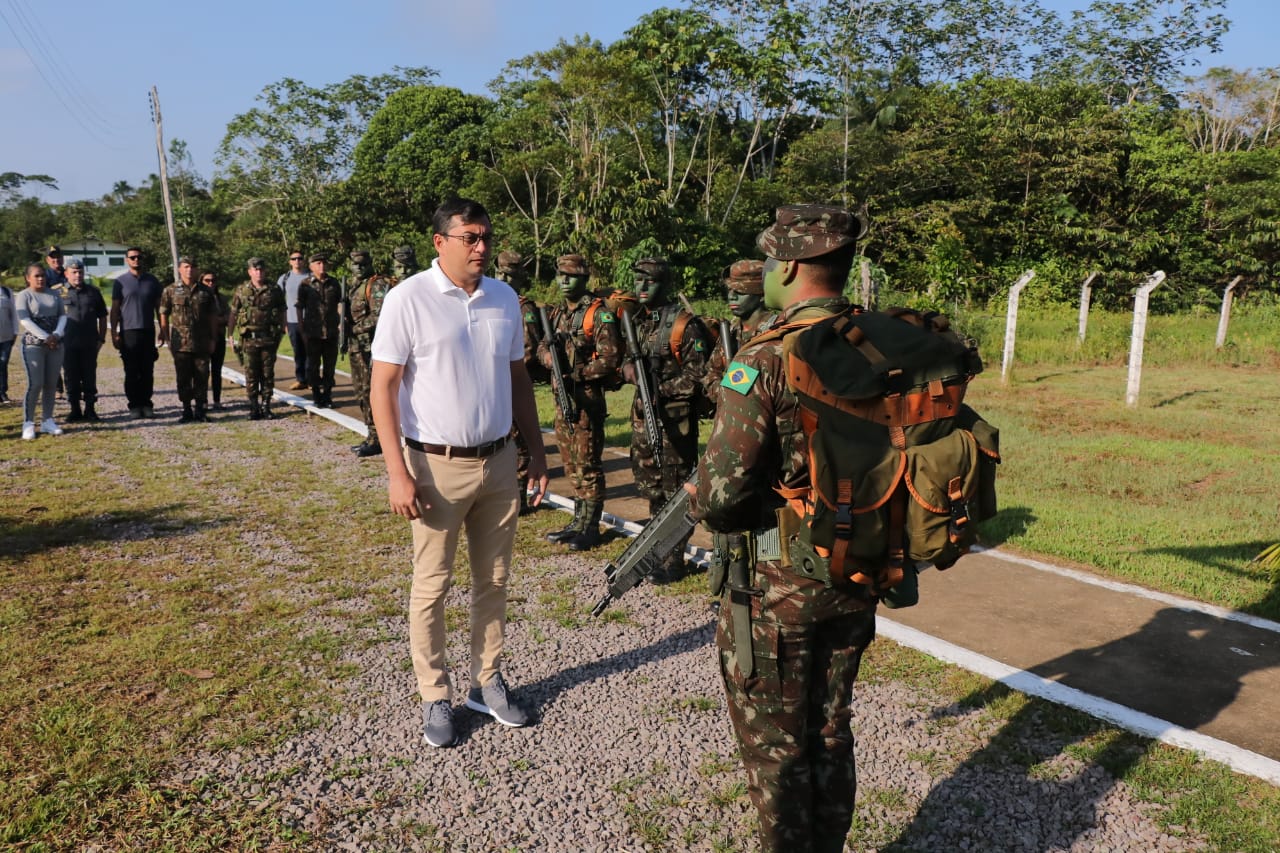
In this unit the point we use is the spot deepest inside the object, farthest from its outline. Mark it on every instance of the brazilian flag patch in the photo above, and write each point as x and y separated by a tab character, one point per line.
739	377
698	347
604	317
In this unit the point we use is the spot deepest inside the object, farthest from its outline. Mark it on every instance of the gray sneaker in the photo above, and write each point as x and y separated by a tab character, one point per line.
492	699
437	723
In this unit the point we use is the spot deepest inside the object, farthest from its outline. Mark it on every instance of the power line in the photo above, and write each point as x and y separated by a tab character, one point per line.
75	114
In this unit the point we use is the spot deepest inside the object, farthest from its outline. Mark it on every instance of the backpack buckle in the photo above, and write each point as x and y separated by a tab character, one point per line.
960	515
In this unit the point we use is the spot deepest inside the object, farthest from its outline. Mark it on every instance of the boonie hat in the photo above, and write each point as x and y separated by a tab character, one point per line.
257	262
572	265
745	277
510	261
808	231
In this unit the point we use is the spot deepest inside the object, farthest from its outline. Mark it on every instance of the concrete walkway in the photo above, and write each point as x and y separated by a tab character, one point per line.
1189	674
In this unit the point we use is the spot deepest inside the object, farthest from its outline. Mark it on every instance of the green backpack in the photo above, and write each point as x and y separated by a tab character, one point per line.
900	468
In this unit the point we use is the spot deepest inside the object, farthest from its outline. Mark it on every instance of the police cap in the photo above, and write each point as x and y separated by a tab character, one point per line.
52	252
74	263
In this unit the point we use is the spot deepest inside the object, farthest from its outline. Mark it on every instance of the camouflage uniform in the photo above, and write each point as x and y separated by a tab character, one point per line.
510	268
191	311
590	360
676	385
365	292
789	691
743	278
257	322
319	315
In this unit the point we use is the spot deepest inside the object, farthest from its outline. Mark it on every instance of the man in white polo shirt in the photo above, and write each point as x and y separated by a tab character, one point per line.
448	374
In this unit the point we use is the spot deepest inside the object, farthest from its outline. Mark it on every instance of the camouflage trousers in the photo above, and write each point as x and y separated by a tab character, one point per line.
259	361
679	424
361	372
582	451
322	361
192	370
792	721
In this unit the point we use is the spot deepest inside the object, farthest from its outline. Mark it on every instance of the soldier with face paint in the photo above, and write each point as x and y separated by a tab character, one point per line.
744	285
589	345
404	263
365	292
789	646
674	343
511	269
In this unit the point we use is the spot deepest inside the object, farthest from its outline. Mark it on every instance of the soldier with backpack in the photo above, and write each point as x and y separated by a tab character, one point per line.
810	488
585	340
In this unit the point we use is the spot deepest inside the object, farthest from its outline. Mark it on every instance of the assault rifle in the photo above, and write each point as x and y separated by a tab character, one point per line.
727	342
563	401
646	552
649	407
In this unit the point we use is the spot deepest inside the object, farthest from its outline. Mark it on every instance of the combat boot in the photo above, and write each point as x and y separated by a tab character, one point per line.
91	414
201	414
187	416
75	414
255	413
266	413
369	448
590	535
574	527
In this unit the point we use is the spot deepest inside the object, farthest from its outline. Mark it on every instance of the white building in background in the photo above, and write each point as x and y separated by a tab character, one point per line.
101	260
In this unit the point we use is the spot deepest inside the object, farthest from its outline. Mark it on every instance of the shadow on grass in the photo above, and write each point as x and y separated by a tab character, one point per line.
1177	398
1182	667
1009	523
1232	558
29	532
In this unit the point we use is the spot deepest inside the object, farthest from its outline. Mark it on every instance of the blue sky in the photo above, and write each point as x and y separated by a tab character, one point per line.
80	111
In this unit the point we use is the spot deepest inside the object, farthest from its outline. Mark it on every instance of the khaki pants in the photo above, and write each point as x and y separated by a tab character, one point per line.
479	495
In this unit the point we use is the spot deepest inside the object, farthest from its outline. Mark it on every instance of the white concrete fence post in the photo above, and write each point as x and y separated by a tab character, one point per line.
1225	317
1011	323
1086	296
1139	335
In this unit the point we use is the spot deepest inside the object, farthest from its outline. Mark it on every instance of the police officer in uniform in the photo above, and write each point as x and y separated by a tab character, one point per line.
319	307
674	345
789	646
365	293
187	320
258	314
589	346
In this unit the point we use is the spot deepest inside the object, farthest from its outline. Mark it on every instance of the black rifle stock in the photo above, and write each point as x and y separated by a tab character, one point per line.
652	426
563	401
727	342
646	552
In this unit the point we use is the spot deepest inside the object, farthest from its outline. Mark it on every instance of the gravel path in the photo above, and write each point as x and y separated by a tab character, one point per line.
633	749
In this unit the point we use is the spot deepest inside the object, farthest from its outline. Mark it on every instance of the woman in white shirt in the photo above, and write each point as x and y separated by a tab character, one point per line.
42	317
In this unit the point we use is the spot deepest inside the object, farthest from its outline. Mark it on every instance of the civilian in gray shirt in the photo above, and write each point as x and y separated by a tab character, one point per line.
42	316
297	341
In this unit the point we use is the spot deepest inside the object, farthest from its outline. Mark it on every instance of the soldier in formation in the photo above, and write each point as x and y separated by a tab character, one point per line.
319	307
257	320
365	292
187	325
85	334
744	285
586	341
793	731
674	348
510	268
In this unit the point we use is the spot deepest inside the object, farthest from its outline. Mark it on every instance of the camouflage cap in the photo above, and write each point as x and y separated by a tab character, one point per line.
318	256
509	261
808	231
745	277
74	263
187	259
655	268
358	255
257	262
572	265
404	253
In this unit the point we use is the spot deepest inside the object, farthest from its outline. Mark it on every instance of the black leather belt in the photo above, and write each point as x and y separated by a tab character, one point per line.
462	452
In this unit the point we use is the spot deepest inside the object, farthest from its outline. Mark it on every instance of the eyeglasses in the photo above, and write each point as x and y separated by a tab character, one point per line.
208	280
133	257
295	257
469	238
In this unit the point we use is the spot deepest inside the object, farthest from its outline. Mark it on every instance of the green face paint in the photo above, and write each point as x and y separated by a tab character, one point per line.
572	287
775	288
743	304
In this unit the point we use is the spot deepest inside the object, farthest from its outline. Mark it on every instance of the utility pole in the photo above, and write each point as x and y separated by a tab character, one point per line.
164	179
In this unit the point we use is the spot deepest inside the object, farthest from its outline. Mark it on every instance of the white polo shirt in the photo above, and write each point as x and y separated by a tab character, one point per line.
456	351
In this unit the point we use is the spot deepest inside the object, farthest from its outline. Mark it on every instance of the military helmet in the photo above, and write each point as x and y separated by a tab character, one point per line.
745	277
572	265
803	231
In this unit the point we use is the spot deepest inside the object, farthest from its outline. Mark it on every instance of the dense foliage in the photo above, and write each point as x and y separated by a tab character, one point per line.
983	137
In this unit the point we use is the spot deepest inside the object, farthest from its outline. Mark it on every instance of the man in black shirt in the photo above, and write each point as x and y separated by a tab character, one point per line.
135	309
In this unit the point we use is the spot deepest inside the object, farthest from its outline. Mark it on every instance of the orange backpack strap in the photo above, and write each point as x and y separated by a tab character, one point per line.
677	333
589	320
